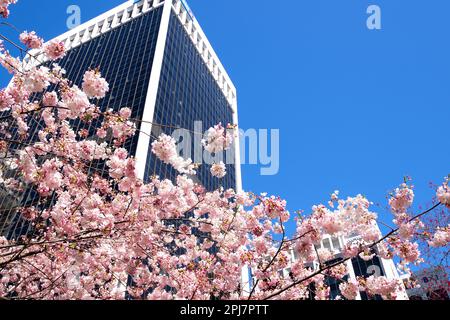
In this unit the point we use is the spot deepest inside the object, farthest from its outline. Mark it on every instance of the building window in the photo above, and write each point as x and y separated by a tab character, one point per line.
326	244
336	244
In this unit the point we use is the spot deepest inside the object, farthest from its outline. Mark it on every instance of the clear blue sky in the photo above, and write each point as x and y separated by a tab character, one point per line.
357	109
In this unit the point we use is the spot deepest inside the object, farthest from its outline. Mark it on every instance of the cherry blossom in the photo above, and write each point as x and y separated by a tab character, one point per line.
217	139
441	238
6	100
31	40
4	11
402	199
367	255
11	64
74	103
349	289
388	289
37	80
443	194
94	85
50	99
97	225
54	50
165	149
219	170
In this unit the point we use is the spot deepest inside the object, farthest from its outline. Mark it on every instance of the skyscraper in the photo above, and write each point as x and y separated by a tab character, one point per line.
160	64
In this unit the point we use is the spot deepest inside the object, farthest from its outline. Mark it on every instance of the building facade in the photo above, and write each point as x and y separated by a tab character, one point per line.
159	63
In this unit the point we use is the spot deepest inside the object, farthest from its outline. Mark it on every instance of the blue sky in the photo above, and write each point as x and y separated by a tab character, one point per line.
357	109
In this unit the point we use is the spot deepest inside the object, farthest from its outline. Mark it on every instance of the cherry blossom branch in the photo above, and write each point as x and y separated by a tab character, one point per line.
43	243
273	258
296	283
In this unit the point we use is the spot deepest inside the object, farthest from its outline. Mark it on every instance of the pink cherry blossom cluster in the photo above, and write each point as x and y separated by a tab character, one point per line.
350	289
120	125
387	289
441	238
50	99
55	50
31	40
4	4
443	194
217	139
11	64
96	223
6	100
219	170
74	103
165	149
94	85
37	80
402	199
352	216
402	245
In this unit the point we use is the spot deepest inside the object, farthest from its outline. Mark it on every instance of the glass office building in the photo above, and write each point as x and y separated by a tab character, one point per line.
188	92
159	63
